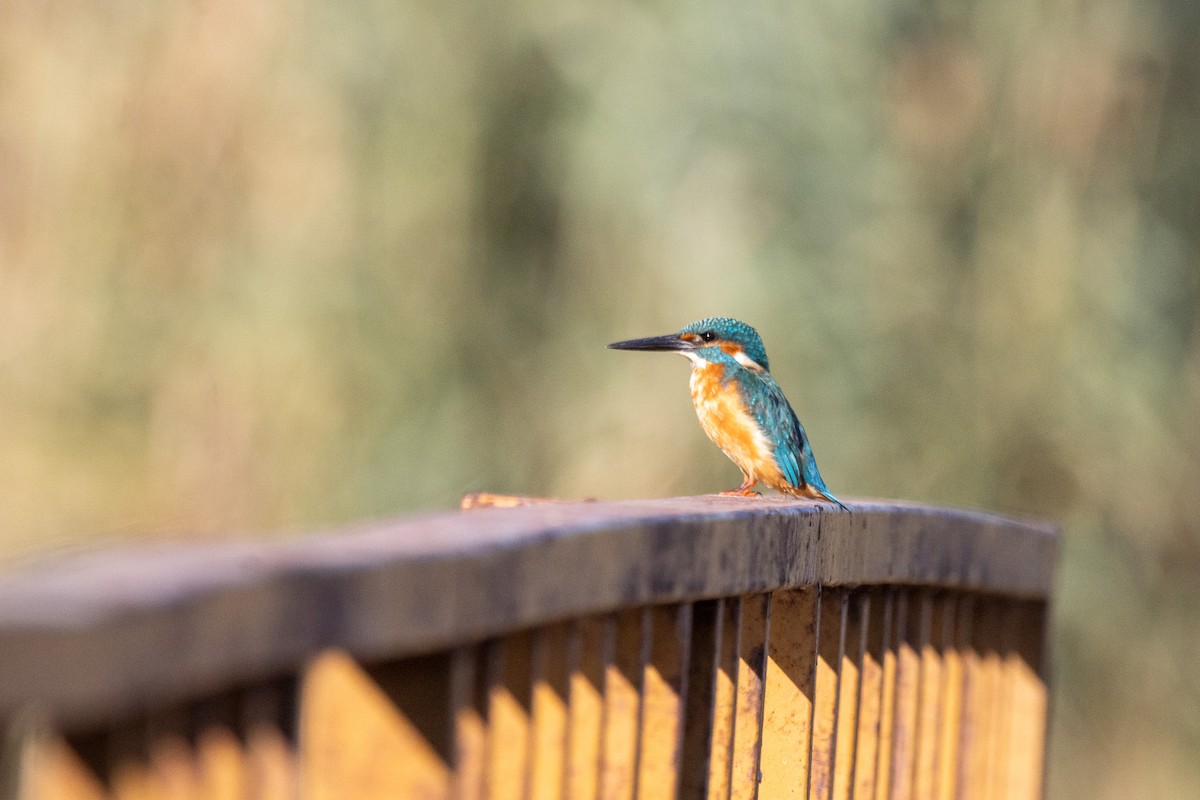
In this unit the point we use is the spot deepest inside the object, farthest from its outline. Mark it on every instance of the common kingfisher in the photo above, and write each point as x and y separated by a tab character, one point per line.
741	408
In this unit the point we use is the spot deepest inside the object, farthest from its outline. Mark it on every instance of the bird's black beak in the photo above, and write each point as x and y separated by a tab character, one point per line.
671	343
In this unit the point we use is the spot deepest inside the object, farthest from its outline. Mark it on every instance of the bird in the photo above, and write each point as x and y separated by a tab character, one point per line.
742	408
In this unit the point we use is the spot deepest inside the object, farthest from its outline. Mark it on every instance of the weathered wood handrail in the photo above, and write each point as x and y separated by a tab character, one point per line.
682	646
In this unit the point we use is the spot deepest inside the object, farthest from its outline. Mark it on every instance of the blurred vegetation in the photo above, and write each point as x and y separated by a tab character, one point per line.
282	264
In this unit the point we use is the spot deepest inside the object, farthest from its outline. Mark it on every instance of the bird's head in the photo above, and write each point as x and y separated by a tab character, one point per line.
717	339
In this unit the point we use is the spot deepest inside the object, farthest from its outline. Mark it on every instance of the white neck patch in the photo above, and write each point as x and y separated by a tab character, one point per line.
740	357
746	361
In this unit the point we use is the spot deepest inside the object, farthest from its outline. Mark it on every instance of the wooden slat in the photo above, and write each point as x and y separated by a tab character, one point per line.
269	725
983	682
131	776
753	638
174	769
703	665
887	700
509	681
831	633
664	686
272	764
725	701
220	761
908	677
51	769
877	618
468	704
955	607
857	615
622	700
965	770
586	713
356	738
1026	697
929	698
548	756
788	716
991	644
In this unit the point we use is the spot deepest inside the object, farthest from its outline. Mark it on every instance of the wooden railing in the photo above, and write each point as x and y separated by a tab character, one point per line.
695	647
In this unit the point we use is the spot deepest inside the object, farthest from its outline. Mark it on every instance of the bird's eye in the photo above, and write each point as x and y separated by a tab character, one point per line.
708	336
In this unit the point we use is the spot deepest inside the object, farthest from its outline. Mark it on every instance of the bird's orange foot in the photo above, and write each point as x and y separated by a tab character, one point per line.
741	493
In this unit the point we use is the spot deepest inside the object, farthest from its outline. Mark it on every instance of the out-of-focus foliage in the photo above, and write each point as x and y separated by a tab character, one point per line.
286	263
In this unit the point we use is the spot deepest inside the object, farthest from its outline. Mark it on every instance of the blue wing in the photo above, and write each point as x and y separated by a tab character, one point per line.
774	415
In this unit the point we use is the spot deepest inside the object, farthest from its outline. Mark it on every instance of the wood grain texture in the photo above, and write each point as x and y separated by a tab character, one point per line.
664	687
549	741
929	697
908	685
954	609
468	709
360	738
1026	700
870	694
887	697
791	675
857	611
83	636
720	760
625	638
585	714
830	646
509	728
754	628
699	723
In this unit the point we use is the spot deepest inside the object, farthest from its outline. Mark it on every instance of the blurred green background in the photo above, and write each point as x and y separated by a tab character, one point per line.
281	264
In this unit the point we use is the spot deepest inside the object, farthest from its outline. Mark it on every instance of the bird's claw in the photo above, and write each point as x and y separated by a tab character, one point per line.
741	493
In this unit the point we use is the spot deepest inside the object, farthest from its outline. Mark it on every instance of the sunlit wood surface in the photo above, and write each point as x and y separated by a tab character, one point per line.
692	648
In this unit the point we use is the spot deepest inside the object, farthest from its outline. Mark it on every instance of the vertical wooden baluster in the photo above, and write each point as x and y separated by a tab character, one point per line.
129	770
220	759
44	766
703	658
872	643
965	778
1002	708
468	709
269	728
887	699
981	674
952	696
908	677
791	675
586	712
549	740
664	686
855	615
753	638
725	698
508	728
382	732
830	647
622	690
1026	699
988	641
929	696
174	770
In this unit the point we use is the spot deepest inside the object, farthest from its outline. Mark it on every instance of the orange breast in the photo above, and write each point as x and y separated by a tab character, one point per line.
727	422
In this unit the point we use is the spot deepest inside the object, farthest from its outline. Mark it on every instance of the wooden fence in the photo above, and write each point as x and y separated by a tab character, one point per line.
694	647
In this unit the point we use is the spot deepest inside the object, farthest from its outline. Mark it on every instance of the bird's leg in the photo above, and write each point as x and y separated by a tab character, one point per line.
745	490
